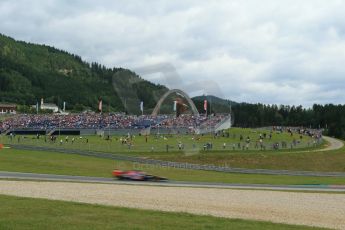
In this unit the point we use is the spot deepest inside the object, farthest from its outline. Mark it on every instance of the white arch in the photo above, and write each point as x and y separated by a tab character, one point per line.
161	100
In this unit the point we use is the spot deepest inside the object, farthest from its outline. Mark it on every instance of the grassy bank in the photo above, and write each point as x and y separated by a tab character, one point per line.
299	157
59	163
328	161
156	144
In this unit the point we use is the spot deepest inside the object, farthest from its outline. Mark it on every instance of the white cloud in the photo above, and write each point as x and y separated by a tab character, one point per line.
289	52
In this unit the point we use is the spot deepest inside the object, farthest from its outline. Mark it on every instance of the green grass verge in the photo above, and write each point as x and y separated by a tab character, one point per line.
328	161
288	159
27	213
59	163
143	145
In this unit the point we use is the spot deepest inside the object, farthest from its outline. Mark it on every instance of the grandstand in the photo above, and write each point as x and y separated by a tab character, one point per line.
119	123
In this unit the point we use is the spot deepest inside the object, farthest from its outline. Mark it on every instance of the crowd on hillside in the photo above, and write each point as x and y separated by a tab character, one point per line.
102	121
315	133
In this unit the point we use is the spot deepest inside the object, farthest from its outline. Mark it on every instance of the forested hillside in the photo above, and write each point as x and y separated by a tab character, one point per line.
29	72
329	117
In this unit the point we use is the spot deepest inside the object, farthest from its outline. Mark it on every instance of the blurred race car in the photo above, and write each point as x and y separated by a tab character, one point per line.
136	175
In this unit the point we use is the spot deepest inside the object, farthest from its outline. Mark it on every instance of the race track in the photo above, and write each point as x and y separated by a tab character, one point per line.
68	178
280	204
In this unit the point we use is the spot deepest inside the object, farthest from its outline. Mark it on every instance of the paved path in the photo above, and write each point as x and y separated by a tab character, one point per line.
313	209
53	177
334	144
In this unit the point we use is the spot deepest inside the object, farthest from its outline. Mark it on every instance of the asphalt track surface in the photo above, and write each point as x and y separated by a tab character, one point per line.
334	144
86	179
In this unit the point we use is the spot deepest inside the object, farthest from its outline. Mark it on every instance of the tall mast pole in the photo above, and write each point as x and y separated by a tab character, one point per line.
230	112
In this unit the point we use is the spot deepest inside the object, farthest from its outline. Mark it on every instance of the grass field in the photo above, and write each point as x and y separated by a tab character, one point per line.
328	161
59	163
143	145
27	213
299	158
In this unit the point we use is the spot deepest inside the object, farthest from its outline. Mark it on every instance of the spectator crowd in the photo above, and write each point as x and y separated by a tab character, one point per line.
102	121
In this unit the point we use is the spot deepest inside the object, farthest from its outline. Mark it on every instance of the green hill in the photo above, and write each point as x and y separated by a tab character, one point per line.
215	104
29	72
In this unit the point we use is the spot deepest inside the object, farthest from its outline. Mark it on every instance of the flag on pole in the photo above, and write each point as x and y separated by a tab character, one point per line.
142	107
100	105
175	105
205	105
64	106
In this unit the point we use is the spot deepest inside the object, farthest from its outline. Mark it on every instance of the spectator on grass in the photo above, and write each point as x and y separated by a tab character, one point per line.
180	146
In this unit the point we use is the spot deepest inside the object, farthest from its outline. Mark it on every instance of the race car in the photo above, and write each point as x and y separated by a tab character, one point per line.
136	175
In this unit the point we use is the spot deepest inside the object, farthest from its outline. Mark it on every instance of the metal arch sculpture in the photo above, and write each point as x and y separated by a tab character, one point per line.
178	91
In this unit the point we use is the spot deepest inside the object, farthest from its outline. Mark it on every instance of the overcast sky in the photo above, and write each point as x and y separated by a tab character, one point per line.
268	51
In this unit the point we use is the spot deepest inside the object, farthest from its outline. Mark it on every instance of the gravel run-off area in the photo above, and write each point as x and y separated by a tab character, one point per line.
313	209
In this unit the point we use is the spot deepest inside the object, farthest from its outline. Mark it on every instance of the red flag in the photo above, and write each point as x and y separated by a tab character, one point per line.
100	105
205	105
